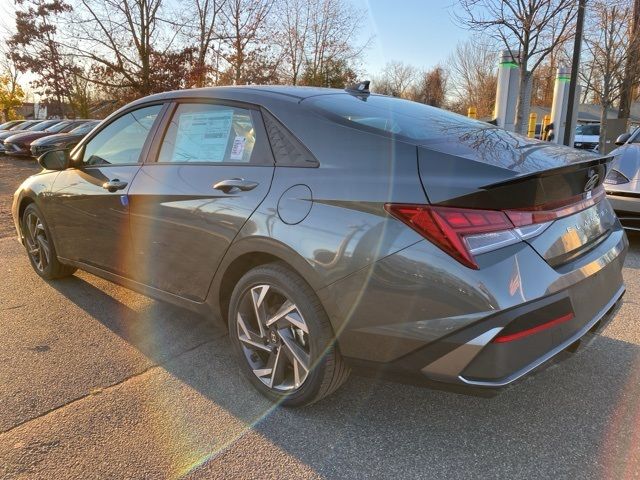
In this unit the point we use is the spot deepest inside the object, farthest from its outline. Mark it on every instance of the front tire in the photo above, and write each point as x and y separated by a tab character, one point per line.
39	245
283	337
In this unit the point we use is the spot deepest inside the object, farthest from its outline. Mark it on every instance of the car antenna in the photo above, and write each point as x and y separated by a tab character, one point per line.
361	88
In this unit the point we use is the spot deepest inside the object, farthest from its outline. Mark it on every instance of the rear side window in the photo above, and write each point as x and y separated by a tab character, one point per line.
207	133
122	140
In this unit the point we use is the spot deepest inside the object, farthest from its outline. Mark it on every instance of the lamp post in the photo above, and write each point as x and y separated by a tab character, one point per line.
577	48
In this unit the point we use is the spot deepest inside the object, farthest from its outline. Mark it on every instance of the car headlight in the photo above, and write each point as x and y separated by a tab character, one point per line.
615	178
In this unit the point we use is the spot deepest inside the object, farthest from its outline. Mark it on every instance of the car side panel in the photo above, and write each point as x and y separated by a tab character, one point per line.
341	225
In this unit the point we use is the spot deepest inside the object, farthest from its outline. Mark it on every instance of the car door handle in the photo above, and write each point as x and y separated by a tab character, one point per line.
227	186
114	185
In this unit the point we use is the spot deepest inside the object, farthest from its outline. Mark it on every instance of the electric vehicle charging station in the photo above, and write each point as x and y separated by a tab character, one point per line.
559	106
507	91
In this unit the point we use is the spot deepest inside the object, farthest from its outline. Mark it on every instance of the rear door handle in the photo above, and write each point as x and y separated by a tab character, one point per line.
227	186
114	185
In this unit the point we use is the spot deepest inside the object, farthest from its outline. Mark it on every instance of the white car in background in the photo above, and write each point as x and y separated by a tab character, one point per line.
587	137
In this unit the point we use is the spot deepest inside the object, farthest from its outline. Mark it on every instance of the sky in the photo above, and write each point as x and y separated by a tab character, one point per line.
419	32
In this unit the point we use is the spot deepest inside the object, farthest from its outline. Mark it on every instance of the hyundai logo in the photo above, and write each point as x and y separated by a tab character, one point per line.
592	182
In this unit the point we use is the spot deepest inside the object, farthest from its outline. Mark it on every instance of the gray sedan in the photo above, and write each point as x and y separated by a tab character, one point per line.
337	229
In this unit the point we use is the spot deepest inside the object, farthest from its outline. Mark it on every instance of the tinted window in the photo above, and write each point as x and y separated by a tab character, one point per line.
122	140
84	128
39	127
209	133
23	126
58	127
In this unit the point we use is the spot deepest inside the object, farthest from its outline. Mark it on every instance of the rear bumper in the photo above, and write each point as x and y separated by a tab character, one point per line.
460	313
481	365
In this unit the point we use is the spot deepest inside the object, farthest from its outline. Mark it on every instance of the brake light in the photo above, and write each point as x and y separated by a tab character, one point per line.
551	211
466	232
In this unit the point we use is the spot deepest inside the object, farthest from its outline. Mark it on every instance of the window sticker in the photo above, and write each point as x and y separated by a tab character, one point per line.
237	151
203	136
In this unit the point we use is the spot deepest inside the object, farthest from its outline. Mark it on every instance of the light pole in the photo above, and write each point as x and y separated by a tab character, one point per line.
575	65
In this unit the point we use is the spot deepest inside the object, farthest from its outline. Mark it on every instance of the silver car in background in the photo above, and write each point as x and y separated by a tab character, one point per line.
623	180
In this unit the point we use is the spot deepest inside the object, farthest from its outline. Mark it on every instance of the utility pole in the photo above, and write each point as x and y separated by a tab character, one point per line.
575	65
632	67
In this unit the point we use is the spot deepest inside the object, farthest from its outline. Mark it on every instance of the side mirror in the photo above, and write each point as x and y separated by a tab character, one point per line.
55	160
622	139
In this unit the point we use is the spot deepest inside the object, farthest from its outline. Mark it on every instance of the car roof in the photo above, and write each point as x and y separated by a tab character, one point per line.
244	93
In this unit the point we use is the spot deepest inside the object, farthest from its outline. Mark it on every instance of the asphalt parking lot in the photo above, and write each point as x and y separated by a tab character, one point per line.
100	382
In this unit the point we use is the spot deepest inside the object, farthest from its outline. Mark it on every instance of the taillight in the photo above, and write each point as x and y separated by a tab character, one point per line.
460	232
551	211
466	232
616	178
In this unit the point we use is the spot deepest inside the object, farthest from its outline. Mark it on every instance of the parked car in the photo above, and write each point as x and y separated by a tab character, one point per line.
18	128
7	125
587	137
62	141
20	143
623	181
14	147
329	229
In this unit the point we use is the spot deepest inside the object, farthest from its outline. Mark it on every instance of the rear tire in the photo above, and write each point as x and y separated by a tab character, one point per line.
291	356
39	245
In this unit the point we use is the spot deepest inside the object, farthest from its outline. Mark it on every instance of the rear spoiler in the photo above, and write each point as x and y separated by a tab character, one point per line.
596	163
537	188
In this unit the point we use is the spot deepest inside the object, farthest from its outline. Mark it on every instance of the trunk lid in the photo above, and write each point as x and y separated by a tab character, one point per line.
534	179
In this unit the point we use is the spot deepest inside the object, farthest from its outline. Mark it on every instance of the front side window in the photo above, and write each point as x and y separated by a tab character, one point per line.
204	133
122	140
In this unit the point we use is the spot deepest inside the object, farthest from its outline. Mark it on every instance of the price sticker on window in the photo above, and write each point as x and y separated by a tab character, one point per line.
237	151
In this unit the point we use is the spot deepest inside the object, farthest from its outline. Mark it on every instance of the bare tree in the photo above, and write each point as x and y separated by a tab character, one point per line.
119	38
632	67
206	32
530	30
431	87
331	42
473	77
293	36
396	79
246	35
608	45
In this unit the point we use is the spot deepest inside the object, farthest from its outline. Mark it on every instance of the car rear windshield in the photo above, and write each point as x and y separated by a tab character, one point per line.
412	120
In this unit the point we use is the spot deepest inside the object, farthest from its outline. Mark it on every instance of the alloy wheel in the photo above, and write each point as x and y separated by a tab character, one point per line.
37	241
274	338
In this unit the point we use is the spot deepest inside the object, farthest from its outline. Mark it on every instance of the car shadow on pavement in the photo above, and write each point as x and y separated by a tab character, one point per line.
581	417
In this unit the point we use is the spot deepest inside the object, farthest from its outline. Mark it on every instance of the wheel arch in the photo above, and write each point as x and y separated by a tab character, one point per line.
246	255
24	203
